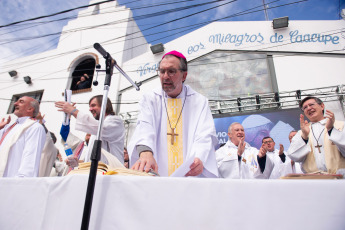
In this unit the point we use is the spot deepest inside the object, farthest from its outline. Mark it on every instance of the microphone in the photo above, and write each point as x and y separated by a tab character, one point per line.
100	49
107	56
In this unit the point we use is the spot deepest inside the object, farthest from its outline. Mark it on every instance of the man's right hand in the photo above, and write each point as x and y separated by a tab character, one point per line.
146	162
5	122
304	124
66	107
72	161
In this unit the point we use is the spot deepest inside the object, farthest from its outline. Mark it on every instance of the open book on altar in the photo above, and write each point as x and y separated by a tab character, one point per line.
103	169
317	175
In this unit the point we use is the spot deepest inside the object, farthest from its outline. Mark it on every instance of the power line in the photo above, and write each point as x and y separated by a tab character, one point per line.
114	39
50	15
141	17
199	23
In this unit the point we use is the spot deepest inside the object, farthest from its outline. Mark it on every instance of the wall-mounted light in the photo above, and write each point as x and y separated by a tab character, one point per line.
13	73
280	22
27	80
158	48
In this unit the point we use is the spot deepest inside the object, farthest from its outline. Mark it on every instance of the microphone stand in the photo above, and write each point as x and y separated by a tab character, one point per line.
96	151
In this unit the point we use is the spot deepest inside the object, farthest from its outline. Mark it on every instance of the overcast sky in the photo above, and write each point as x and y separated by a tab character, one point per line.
16	41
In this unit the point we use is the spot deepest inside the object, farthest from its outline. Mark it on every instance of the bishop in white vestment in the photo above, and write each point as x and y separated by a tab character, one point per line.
175	125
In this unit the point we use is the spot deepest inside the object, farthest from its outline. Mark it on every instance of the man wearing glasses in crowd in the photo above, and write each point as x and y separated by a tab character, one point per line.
175	126
320	144
282	165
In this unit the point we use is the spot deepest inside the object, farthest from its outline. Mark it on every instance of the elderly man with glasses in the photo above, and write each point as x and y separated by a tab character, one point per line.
320	144
175	133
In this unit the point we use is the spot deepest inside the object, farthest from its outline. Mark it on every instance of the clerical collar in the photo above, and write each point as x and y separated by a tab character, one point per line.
21	120
181	95
322	122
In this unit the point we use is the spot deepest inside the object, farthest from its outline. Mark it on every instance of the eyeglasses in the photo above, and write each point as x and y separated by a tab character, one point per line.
267	142
309	105
170	72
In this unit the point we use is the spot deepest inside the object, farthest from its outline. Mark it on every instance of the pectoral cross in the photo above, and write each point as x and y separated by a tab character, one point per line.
173	134
318	147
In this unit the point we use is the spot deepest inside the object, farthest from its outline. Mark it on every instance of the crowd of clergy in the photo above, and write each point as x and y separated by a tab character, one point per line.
174	136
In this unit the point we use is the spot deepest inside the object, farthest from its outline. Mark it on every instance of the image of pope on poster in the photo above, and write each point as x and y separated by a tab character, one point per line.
277	125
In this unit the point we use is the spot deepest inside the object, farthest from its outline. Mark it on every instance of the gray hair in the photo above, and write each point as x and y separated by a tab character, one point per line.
36	107
232	124
317	100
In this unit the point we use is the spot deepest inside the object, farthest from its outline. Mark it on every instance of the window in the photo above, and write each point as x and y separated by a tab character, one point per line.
83	74
35	94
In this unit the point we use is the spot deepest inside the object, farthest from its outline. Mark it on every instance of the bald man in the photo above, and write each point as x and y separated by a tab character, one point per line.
22	141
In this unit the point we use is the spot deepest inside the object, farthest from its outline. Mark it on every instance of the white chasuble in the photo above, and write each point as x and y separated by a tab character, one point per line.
175	138
199	133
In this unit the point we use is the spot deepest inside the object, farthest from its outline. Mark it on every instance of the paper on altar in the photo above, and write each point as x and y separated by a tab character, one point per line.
68	95
183	169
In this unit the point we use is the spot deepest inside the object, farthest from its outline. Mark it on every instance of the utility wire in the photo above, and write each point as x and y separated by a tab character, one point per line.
141	17
54	14
145	29
165	31
271	7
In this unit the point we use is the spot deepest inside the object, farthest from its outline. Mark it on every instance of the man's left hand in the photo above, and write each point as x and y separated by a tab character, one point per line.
196	168
330	121
281	149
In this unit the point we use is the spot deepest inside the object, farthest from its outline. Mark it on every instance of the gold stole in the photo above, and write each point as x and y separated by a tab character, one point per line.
174	137
334	159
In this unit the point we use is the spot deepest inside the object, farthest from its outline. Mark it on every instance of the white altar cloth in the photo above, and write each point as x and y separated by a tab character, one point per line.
172	203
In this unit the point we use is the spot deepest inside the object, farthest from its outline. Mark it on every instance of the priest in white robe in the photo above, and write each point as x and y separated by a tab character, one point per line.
320	144
48	156
175	126
238	160
295	165
282	164
21	141
49	151
113	130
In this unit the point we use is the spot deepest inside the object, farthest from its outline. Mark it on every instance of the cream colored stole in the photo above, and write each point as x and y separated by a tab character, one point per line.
174	137
8	144
334	159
